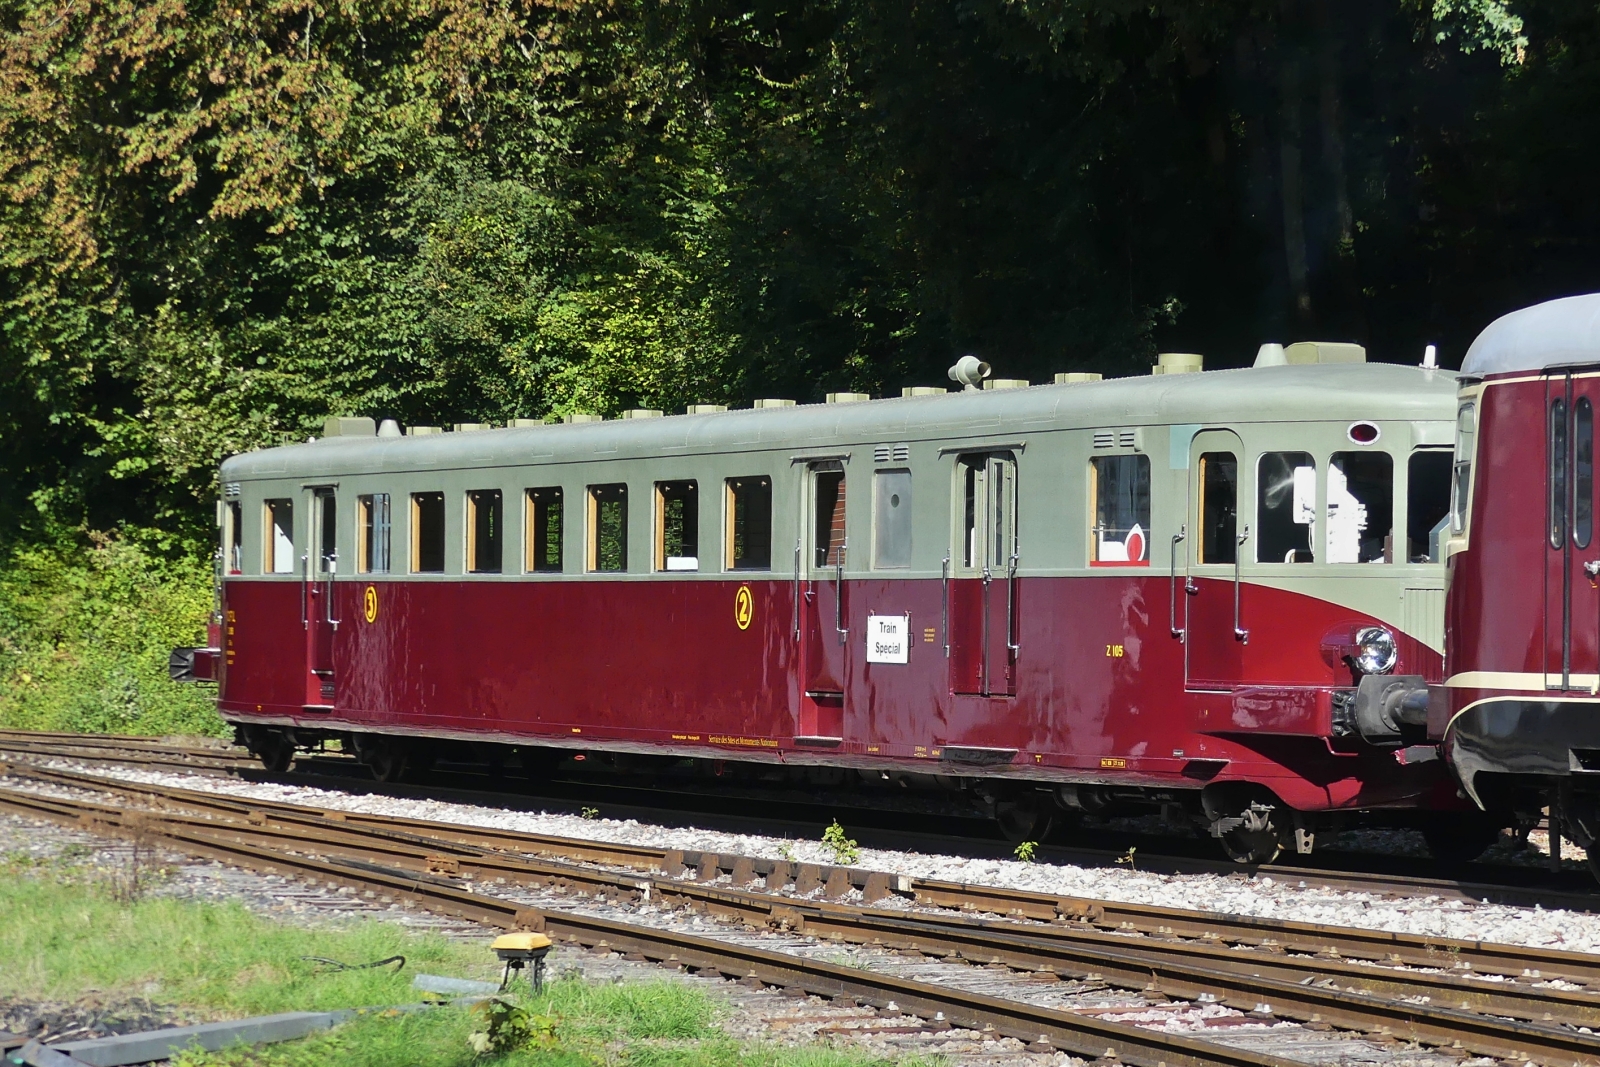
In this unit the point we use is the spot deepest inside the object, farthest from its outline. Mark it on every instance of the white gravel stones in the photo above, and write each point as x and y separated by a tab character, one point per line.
1235	894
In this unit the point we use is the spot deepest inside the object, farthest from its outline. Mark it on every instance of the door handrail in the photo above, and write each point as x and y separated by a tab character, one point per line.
797	588
1011	606
327	608
838	591
305	580
1240	635
944	604
1180	633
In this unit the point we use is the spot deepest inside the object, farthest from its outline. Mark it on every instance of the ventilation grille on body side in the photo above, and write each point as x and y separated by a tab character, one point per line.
892	454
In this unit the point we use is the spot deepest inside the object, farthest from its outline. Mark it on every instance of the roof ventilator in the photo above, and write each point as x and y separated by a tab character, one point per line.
969	371
1178	363
848	398
1078	377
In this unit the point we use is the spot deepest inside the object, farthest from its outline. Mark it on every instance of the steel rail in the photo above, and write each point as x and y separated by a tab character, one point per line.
1329	992
1076	1034
219	761
1275	935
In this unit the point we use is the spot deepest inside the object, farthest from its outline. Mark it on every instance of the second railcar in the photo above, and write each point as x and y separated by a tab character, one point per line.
1164	590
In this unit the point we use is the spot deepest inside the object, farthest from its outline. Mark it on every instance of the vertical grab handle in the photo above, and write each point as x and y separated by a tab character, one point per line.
1241	635
327	608
797	589
1011	606
944	605
838	591
1179	632
305	581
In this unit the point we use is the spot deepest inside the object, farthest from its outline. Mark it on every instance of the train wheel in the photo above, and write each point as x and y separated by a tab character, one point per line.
388	760
1459	840
1255	834
1025	817
274	749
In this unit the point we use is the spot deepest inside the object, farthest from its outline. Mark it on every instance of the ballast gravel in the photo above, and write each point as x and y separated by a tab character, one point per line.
1230	894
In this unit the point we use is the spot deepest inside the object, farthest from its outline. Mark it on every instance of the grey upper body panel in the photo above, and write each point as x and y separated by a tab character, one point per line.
1551	334
1299	393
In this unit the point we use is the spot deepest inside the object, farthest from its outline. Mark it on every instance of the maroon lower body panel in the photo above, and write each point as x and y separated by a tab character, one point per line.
1094	690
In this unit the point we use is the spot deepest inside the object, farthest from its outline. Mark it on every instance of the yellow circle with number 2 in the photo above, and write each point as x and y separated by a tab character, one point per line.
369	603
744	607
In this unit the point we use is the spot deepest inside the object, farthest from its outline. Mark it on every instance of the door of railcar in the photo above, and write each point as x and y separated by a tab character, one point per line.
824	603
1572	559
1214	631
981	579
318	568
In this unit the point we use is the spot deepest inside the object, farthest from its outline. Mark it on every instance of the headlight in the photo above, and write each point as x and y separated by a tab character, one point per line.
1375	650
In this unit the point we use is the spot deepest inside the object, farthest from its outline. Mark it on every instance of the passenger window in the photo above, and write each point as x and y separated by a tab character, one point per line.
427	533
677	526
1582	472
1286	507
1119	487
372	546
749	524
829	541
233	537
1558	472
278	543
891	519
1219	507
1461	484
485	519
1361	507
1427	504
544	530
608	528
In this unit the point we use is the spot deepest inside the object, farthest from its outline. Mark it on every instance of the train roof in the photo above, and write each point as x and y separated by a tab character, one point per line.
1294	393
1550	334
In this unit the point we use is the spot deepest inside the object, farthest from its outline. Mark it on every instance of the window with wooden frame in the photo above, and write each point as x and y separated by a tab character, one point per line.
427	533
277	542
373	526
749	521
233	537
543	539
678	526
1119	488
608	528
485	519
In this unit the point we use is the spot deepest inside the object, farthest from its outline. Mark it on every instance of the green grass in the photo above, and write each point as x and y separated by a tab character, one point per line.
65	935
62	935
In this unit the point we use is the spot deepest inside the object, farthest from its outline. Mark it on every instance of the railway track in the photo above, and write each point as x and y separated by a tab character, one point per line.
1295	971
1520	887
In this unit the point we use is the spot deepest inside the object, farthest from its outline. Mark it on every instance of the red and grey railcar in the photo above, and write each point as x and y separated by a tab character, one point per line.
1520	710
1214	592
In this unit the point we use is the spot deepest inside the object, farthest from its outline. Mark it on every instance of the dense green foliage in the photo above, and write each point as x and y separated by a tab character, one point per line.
84	636
220	222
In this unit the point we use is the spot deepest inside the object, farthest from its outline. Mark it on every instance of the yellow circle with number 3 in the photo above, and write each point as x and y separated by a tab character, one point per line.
369	603
744	607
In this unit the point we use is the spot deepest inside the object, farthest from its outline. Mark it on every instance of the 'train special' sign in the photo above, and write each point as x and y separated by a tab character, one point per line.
888	638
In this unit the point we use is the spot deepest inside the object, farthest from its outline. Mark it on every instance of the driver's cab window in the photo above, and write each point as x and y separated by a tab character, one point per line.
1286	507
